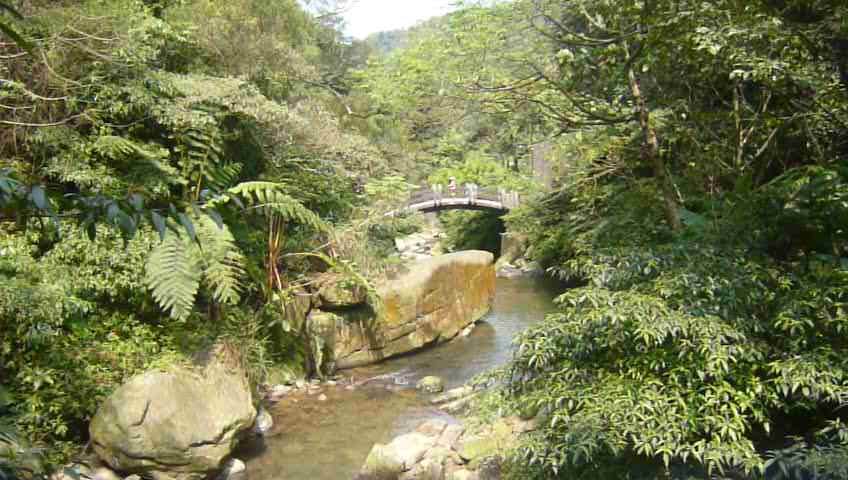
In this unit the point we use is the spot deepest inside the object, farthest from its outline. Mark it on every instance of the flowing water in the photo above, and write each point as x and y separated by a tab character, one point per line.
329	440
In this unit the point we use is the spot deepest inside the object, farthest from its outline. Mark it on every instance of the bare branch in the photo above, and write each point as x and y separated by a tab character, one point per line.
93	37
36	125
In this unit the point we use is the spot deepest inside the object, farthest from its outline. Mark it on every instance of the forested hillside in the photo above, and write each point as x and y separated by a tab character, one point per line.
173	172
384	43
159	162
699	211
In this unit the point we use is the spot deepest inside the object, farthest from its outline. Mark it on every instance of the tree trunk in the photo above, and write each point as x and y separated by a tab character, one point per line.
651	153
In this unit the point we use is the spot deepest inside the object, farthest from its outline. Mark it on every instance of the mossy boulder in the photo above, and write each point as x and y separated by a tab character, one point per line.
501	436
295	310
381	464
322	327
178	424
513	248
431	384
432	303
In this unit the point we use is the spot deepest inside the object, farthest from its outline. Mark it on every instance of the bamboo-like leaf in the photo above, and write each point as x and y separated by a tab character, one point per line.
15	36
159	224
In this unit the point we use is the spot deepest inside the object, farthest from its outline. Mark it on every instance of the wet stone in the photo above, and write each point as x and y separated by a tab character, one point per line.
431	384
451	435
104	473
432	428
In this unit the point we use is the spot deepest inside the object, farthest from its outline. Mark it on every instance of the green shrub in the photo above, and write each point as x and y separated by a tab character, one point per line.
74	324
709	353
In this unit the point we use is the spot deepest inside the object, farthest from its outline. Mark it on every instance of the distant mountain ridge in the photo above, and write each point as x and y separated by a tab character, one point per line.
383	43
386	42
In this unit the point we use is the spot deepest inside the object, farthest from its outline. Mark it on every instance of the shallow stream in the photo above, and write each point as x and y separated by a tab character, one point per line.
329	439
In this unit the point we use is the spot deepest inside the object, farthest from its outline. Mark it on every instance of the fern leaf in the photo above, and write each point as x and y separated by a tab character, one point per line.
269	198
222	176
222	261
173	275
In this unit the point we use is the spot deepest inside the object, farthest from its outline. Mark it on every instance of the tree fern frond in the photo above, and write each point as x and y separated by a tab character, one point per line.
203	158
222	261
269	198
119	148
139	156
173	275
222	176
176	267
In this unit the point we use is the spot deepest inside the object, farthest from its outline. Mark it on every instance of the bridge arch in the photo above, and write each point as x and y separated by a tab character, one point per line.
426	201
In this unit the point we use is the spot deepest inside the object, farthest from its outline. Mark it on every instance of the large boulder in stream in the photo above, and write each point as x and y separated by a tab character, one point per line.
388	462
176	424
433	302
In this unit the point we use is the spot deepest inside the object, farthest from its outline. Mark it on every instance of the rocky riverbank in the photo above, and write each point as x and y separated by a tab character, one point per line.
447	449
183	423
514	260
420	245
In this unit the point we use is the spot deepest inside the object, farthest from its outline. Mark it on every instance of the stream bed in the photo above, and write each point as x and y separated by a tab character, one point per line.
329	439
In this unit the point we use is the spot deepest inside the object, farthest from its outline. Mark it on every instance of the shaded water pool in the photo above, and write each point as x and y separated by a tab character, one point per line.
329	439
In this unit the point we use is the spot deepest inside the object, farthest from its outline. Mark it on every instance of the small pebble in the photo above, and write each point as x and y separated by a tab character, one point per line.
322	398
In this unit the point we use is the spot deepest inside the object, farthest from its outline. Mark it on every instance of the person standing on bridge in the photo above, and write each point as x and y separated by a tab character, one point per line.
452	186
437	192
470	191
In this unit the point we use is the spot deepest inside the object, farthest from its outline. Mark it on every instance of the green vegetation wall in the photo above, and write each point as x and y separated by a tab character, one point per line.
699	208
158	163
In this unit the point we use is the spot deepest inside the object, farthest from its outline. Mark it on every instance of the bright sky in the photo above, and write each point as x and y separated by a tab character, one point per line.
370	16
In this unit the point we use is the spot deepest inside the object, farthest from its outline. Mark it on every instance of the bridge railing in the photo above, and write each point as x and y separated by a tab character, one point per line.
508	199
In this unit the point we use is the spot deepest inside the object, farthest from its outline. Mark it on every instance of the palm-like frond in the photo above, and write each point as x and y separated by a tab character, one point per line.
203	160
173	274
222	175
178	265
114	147
221	260
269	199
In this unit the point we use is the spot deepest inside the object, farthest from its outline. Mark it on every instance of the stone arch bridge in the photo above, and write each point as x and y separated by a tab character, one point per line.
426	200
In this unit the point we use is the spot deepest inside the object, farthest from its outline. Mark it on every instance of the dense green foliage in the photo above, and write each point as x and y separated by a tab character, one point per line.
159	163
699	209
702	347
701	214
466	230
171	171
